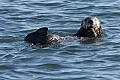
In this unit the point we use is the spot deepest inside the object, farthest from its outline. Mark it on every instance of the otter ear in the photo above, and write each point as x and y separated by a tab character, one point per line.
42	31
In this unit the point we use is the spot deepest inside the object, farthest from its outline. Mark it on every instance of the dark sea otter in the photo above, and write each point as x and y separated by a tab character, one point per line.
90	28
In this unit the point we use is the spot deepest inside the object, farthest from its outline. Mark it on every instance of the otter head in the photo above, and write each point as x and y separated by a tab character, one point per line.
90	27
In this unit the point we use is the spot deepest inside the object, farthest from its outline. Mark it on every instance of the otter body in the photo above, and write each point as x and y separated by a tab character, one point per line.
90	28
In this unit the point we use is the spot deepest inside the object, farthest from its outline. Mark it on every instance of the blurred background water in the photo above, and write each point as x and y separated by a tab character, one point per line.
97	60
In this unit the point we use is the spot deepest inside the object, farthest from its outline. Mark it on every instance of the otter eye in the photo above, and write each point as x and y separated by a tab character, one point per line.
90	21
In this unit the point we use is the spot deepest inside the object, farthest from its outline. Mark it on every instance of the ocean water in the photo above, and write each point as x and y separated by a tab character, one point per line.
72	60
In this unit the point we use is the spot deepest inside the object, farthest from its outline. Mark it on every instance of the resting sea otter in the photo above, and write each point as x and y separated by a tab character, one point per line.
90	28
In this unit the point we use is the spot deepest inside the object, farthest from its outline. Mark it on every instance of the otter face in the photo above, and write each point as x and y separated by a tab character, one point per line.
90	27
91	22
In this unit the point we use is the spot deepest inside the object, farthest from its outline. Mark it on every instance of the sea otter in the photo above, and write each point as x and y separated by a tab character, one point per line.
90	28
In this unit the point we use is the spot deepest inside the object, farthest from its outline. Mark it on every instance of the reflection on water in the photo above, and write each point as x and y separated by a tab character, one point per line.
69	60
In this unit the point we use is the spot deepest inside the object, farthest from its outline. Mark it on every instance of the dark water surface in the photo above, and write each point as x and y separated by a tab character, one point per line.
96	60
